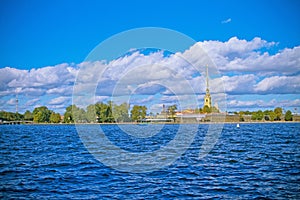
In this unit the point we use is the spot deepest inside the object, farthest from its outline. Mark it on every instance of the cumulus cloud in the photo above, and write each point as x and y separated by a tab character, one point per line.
279	85
32	102
241	67
234	47
37	82
63	90
263	104
143	100
286	62
239	84
243	56
8	75
149	89
46	77
59	100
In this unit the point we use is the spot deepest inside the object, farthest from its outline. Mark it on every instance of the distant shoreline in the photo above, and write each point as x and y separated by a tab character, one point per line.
134	123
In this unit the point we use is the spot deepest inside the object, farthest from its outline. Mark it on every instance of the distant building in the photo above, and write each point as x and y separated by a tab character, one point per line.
192	115
163	114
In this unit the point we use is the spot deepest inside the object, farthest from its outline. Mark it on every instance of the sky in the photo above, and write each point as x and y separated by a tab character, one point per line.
255	46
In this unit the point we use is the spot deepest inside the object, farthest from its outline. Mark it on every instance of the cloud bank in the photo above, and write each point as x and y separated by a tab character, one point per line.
245	67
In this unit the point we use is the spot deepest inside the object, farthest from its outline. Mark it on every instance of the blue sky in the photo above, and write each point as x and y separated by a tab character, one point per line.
41	33
37	34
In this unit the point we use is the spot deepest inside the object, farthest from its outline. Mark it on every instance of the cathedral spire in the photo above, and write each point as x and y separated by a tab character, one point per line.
207	97
207	83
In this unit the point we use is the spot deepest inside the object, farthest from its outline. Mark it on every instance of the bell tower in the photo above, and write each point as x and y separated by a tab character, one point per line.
207	97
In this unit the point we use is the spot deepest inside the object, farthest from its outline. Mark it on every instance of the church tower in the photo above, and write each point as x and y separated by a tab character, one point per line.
207	97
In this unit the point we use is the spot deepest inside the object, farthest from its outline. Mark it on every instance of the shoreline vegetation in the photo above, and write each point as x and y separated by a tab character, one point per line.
110	113
161	123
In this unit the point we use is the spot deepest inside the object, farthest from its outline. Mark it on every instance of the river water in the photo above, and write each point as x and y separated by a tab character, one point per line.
255	161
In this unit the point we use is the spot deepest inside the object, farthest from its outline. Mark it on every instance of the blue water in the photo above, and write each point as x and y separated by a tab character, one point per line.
50	162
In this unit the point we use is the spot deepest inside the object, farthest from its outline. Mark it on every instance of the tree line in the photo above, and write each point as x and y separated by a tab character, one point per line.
110	113
98	113
39	115
267	115
95	113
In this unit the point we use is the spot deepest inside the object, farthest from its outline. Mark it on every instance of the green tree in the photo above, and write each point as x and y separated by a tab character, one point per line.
241	116
79	114
101	109
55	117
278	113
272	116
267	112
247	112
74	114
259	115
2	115
91	113
28	115
108	112
138	112
41	114
68	115
206	109
253	116
288	116
172	111
135	113
120	112
19	116
10	116
215	109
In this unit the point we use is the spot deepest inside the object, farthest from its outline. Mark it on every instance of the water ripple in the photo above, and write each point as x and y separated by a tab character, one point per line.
256	161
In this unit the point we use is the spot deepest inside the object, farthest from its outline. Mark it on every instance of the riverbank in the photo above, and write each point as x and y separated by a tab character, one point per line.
134	123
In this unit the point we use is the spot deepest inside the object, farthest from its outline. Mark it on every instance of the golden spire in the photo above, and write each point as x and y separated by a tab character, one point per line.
207	97
207	86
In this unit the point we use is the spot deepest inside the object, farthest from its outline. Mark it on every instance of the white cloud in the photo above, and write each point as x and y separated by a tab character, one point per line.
279	85
32	102
46	77
156	108
139	101
9	74
239	104
234	47
262	104
285	62
243	84
42	79
226	21
59	100
183	101
64	90
149	88
34	92
11	102
243	67
101	98
242	56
